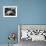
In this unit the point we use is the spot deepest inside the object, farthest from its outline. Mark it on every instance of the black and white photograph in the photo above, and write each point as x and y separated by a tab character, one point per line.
9	11
31	34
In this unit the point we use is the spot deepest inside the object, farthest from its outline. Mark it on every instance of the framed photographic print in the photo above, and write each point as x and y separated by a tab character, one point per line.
9	11
33	32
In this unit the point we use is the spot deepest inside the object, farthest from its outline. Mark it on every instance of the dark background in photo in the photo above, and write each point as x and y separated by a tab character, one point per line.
10	12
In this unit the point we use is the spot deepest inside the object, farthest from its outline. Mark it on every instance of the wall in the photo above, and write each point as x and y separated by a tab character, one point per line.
29	12
7	25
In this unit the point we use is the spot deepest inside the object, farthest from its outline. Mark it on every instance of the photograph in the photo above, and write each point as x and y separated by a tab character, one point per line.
9	11
30	33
